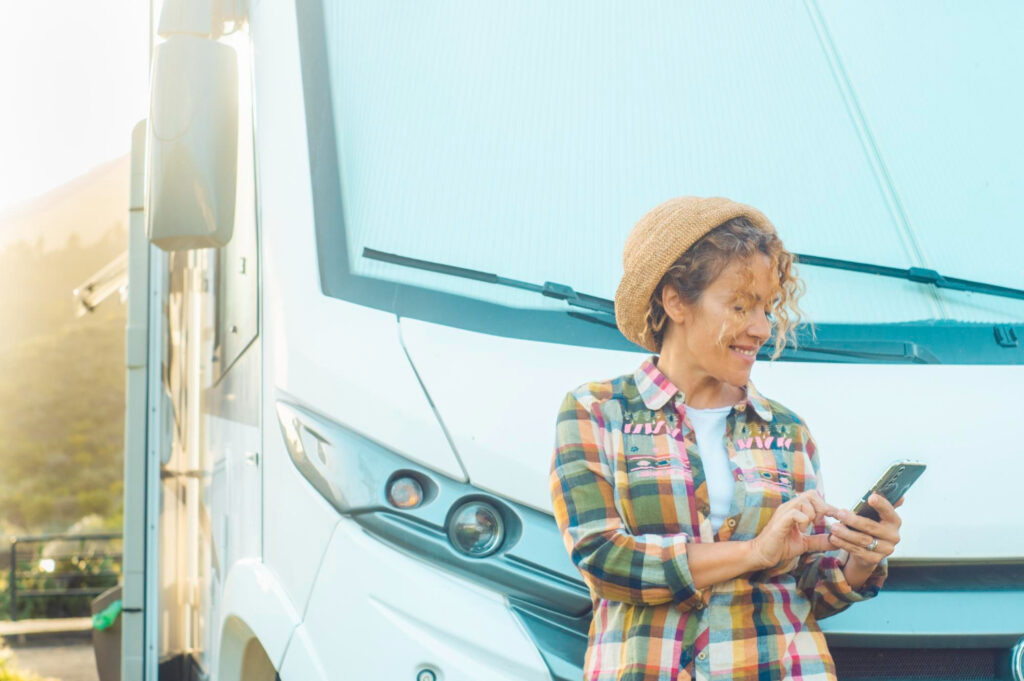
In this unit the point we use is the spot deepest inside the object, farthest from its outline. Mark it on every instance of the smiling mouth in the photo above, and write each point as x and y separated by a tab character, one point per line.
749	352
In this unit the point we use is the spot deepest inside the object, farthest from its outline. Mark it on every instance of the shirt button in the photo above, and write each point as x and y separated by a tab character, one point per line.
703	655
731	522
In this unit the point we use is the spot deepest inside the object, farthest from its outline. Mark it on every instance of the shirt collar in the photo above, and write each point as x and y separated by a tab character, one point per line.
656	390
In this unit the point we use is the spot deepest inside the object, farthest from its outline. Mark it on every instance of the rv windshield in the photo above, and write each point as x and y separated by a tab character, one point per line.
525	141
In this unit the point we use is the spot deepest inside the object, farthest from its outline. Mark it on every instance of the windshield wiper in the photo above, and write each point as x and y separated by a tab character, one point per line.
867	351
918	274
807	349
548	288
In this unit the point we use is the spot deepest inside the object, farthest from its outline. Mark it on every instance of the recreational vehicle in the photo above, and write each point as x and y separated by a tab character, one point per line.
374	244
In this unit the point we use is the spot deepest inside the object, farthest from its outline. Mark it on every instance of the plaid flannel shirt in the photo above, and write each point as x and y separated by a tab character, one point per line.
629	496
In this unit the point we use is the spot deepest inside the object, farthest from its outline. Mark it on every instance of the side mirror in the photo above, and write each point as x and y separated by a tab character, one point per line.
192	144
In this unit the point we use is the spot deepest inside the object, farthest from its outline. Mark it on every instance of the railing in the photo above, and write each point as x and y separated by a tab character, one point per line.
67	570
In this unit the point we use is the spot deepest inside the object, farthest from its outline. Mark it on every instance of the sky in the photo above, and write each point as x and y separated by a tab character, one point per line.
73	77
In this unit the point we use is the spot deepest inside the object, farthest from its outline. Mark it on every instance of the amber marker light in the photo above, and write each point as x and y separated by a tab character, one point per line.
405	492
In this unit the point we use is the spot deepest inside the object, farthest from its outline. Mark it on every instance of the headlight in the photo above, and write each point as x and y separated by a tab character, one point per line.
476	529
498	543
1017	661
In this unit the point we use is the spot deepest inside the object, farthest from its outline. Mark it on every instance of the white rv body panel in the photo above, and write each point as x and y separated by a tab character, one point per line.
342	360
301	661
253	594
157	433
952	417
284	199
405	616
321	343
138	640
498	397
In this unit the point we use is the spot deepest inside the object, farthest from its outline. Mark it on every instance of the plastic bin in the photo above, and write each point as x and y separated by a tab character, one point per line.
106	634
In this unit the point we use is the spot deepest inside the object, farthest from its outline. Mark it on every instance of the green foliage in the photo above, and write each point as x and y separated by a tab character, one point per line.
8	673
76	564
61	391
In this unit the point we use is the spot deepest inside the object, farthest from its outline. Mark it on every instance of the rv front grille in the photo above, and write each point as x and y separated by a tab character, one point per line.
853	664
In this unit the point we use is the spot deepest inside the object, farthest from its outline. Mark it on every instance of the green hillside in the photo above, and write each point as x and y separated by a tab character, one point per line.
61	388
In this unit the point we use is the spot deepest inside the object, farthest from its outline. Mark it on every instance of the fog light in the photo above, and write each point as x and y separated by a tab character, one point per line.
405	492
476	529
1017	661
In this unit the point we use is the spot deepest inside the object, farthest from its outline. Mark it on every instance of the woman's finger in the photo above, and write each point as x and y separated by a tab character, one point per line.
808	509
795	501
885	529
863	540
881	550
859	522
811	503
851	535
817	542
885	509
818	503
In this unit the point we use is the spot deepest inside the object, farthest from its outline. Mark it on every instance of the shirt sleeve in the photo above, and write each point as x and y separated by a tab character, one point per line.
645	569
820	575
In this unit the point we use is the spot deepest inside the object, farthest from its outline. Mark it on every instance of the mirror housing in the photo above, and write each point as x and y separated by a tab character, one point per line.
192	144
204	18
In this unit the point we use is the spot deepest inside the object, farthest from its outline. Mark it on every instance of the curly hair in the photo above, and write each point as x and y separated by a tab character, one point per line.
692	273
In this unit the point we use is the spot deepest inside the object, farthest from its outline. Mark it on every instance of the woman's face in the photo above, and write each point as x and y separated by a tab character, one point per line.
719	336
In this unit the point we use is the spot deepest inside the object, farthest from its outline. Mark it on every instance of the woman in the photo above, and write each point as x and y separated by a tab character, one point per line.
690	503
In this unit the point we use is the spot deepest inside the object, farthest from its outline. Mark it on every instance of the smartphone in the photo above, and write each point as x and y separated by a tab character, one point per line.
893	484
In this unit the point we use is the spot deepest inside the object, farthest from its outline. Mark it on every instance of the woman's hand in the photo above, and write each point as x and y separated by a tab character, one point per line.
868	541
785	534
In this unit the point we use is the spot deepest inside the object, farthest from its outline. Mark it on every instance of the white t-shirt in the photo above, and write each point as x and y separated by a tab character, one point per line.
709	429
